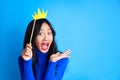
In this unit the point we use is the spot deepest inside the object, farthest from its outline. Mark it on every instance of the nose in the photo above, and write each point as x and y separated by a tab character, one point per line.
45	37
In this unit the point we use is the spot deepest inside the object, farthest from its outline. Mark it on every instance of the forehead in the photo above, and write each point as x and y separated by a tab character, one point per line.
45	26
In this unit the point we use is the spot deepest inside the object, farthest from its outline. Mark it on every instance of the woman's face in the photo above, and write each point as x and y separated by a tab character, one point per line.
44	38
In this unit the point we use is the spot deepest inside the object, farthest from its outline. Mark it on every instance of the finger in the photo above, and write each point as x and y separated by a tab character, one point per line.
29	45
26	54
67	52
58	53
66	57
28	49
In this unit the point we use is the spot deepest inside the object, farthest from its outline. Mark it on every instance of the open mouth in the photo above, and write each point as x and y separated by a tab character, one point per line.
44	46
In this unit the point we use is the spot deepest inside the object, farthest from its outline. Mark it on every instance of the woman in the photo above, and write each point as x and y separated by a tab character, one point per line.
40	59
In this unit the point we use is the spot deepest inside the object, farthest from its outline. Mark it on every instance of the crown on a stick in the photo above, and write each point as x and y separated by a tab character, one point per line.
39	15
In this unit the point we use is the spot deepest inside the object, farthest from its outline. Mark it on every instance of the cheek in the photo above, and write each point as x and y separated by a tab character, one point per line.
51	39
37	41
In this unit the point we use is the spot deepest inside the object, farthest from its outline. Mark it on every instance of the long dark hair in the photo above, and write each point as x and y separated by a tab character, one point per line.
39	22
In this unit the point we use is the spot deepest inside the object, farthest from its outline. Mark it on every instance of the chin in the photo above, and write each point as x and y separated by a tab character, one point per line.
45	51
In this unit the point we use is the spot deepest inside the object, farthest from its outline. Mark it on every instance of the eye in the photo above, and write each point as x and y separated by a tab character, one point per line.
40	33
49	33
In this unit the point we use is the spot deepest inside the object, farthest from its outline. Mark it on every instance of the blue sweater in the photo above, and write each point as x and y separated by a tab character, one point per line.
45	69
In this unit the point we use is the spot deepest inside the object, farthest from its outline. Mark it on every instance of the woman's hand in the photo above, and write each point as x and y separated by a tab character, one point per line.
27	52
58	56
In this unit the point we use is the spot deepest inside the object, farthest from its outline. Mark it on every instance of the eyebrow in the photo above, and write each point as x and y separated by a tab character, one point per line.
47	29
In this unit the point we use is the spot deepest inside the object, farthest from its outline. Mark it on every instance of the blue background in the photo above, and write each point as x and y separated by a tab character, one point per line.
91	29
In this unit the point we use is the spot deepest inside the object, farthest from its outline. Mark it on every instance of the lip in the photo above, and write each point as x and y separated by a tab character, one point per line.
44	46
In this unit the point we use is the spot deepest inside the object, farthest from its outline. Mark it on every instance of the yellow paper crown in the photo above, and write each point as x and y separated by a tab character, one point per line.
40	15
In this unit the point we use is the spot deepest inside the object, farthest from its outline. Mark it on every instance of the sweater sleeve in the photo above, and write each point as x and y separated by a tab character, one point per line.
55	70
26	69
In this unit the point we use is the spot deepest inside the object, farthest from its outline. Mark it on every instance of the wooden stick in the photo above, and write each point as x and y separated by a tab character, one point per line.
32	31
